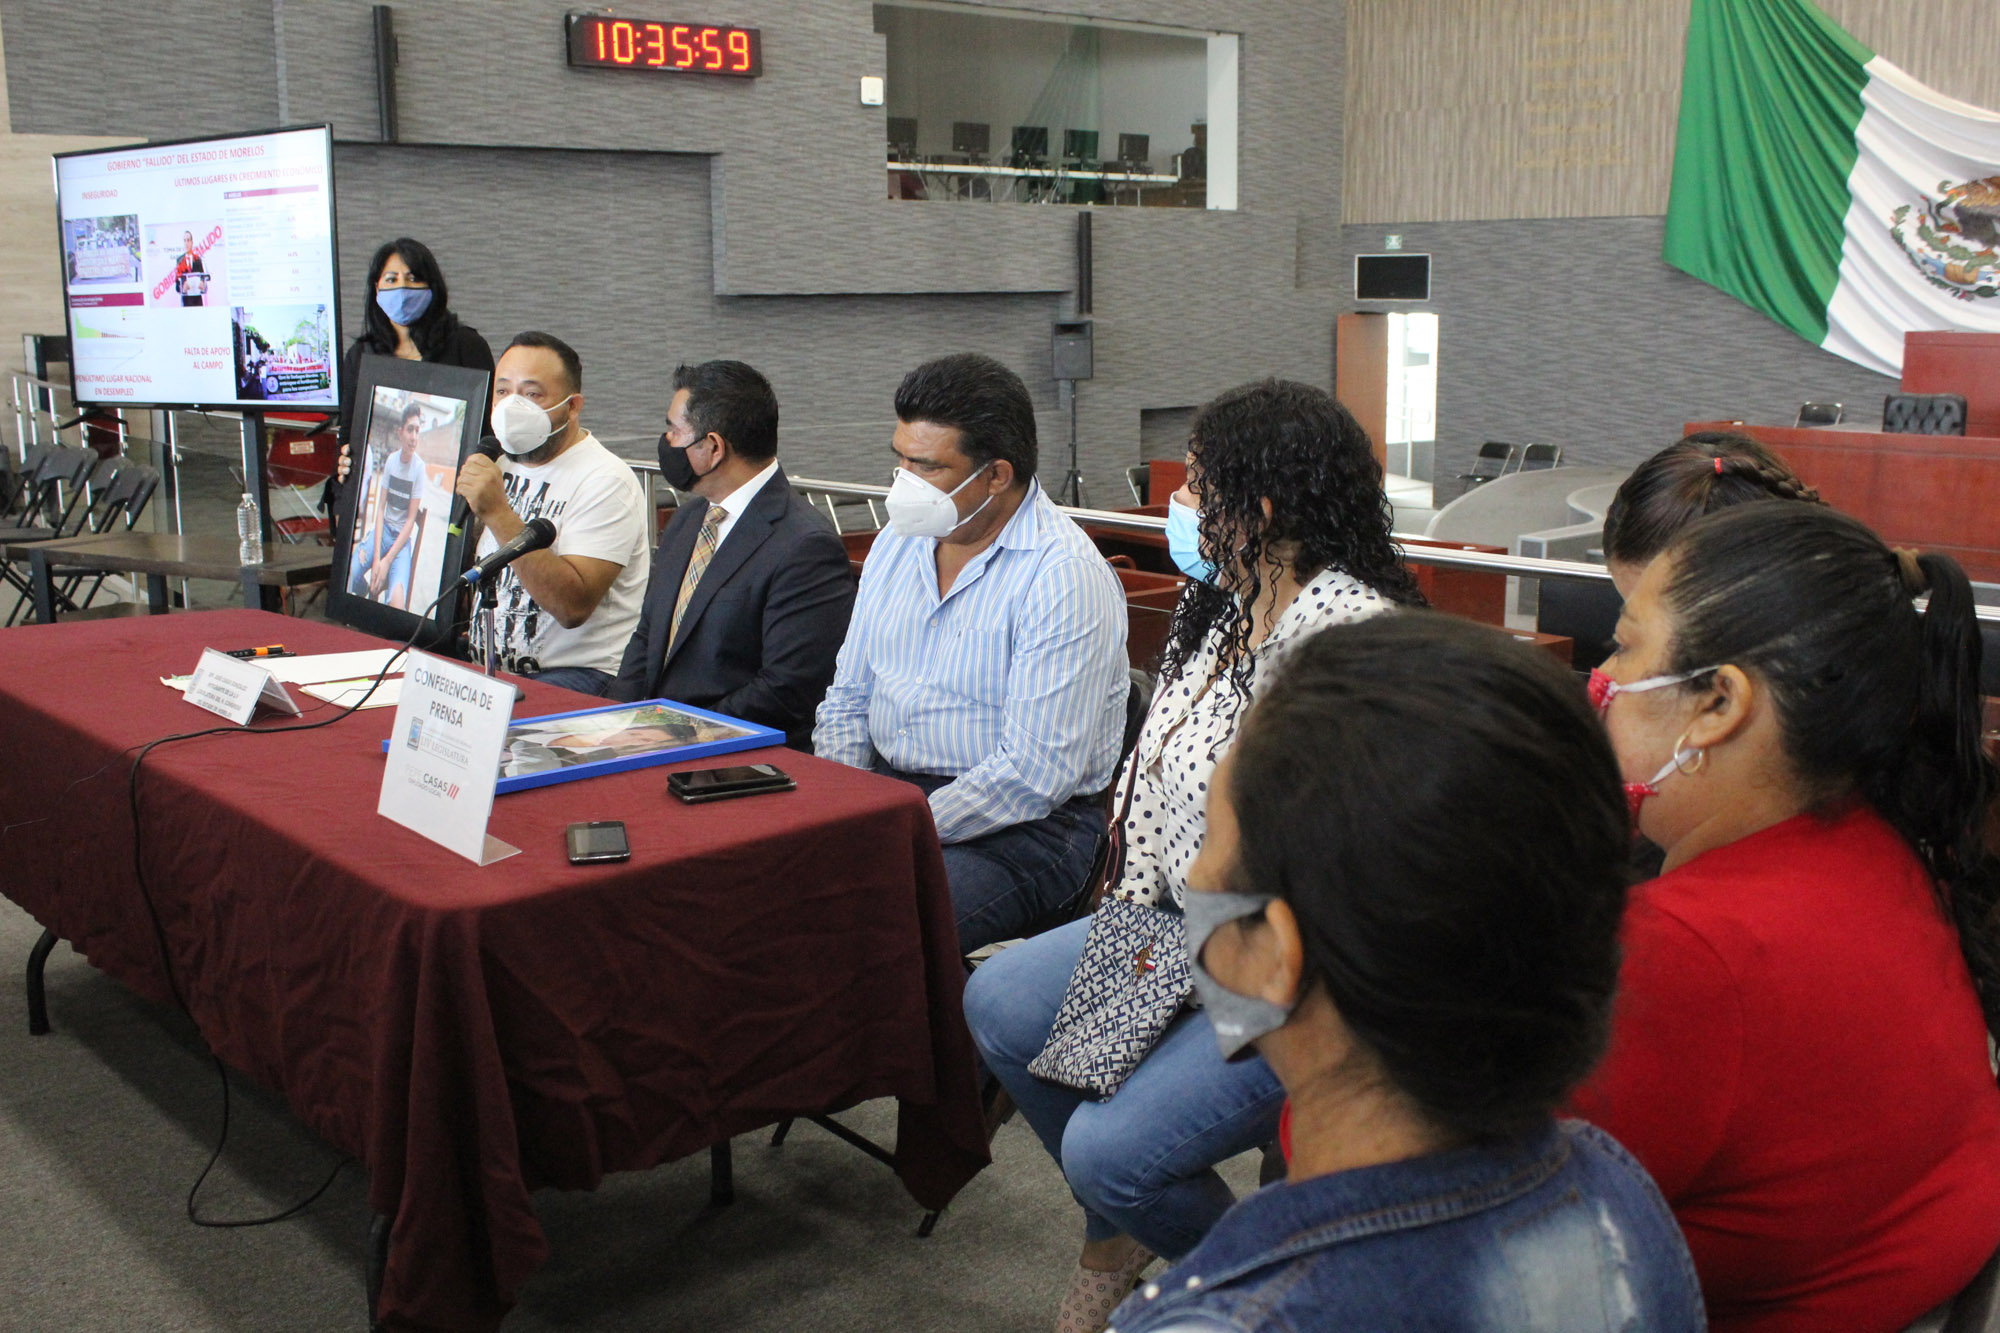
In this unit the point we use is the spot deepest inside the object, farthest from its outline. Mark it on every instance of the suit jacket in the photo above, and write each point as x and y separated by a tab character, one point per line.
764	624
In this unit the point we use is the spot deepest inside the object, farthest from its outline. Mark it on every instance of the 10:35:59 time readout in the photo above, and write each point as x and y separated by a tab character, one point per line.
599	41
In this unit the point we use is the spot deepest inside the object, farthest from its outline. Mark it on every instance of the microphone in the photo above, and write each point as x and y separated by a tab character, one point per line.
538	535
461	512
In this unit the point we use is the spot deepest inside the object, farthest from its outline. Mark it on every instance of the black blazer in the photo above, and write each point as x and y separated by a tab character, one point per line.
764	624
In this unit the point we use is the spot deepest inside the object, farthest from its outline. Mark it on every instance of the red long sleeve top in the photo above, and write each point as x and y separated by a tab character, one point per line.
1799	1059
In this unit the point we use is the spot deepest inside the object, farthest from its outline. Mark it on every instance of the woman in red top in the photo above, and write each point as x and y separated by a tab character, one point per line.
1799	1054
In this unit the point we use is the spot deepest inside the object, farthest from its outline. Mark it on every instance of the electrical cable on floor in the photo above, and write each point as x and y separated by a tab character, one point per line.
160	932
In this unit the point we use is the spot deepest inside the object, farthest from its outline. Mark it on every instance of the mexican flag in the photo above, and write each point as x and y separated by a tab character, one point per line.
1820	184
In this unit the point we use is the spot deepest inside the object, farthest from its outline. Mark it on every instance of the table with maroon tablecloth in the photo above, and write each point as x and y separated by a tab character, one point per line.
473	1033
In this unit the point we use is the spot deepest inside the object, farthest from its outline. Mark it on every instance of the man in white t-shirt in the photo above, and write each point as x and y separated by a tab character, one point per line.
565	613
380	570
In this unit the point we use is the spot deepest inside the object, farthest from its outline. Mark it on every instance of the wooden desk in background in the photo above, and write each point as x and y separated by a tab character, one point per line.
1934	492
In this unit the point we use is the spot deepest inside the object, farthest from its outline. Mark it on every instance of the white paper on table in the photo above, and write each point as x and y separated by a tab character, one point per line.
345	692
318	668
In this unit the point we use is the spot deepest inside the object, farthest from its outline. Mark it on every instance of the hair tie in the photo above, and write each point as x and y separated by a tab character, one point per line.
1718	467
1910	571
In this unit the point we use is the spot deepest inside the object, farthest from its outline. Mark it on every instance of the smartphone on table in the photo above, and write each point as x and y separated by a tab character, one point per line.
601	841
719	784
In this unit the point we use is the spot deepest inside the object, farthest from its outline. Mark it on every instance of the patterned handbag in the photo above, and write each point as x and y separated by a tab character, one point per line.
1129	984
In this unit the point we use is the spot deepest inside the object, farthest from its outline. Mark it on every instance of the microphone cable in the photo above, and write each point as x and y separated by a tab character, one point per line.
160	932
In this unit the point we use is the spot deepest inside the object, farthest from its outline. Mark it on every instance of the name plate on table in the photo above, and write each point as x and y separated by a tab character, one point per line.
444	756
232	688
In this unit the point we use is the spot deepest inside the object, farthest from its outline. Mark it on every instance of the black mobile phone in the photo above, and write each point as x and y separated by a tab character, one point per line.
602	841
717	784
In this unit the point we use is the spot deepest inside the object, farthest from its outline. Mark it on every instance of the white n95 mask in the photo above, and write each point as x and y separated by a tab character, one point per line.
520	425
919	509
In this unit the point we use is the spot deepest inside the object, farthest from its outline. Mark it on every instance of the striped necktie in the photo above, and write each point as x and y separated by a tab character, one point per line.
704	551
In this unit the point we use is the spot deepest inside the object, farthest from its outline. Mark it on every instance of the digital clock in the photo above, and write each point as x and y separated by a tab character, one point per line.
599	41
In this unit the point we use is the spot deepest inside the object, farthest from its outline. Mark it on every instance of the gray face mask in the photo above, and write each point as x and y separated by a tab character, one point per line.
1238	1020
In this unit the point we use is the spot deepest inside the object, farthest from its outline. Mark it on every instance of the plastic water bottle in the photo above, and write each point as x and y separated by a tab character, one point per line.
249	532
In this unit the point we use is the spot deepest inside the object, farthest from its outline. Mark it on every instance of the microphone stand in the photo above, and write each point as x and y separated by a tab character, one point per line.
489	598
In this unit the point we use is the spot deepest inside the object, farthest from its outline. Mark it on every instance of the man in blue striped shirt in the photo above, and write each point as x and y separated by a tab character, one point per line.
986	657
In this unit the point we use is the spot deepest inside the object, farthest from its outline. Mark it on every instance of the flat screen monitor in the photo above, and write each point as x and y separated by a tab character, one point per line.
1135	149
1031	141
974	137
1080	145
202	272
1396	277
902	137
415	422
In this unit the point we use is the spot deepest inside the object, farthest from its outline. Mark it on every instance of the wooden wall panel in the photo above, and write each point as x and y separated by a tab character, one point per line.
1471	109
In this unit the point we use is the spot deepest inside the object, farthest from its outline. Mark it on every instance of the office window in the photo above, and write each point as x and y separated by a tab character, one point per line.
995	106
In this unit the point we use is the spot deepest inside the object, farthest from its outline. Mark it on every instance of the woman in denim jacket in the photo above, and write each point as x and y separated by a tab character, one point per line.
1408	901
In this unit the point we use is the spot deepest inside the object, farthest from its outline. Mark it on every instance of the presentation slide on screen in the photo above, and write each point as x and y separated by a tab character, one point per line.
202	272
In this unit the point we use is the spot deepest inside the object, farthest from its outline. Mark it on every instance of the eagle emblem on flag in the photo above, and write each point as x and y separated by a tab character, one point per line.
1954	239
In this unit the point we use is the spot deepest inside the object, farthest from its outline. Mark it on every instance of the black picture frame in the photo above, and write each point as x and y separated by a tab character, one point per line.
194	403
386	387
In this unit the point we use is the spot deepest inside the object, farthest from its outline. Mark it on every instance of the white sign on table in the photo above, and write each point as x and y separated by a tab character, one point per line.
444	756
231	687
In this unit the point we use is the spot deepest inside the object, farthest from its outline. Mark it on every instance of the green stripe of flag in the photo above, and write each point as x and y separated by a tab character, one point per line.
1770	98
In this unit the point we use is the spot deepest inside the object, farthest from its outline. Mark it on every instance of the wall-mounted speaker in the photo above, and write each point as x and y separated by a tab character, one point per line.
1070	351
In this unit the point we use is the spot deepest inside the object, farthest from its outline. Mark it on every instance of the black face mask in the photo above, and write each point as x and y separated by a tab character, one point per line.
676	470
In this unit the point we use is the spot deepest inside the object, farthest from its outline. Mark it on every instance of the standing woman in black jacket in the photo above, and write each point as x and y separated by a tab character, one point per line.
408	315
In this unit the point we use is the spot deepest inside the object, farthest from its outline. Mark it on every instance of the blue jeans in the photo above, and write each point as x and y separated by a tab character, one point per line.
1142	1161
1015	881
366	555
584	680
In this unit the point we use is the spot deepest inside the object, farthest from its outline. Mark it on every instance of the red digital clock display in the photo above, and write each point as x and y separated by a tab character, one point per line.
599	41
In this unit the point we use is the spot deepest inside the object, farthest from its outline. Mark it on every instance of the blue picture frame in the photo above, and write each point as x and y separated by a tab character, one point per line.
571	762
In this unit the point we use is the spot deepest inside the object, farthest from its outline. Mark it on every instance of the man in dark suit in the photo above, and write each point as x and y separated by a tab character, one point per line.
751	588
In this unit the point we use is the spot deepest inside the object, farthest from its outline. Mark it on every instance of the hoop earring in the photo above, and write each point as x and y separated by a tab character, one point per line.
1685	766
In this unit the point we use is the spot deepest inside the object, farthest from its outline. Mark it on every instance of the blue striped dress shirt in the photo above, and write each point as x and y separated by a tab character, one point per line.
1013	684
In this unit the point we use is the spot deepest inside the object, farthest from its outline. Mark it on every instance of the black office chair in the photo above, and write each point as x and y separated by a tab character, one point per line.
1492	461
1584	613
1820	414
1540	457
1923	414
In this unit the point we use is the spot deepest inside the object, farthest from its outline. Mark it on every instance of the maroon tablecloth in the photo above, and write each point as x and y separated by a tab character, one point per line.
471	1033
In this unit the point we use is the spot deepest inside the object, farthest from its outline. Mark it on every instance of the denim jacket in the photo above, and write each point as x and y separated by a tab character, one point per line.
1560	1233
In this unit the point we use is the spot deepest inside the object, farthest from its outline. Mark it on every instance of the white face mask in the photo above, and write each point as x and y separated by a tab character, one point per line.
521	426
919	509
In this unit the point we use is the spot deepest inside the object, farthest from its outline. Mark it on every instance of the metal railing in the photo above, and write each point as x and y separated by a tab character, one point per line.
1437	557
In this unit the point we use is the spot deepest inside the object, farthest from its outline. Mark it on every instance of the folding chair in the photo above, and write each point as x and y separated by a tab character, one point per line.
1820	414
1540	457
1140	479
124	500
1492	460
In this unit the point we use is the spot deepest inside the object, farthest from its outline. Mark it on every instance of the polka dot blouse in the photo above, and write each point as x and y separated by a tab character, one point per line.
1190	727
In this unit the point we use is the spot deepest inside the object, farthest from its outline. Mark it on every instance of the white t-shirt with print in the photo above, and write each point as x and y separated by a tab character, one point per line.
599	509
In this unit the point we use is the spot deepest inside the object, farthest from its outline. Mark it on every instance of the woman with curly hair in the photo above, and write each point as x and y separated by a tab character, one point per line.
1283	530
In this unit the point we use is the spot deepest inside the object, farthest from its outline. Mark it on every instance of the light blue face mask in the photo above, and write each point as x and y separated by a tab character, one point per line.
404	305
1237	1020
1184	541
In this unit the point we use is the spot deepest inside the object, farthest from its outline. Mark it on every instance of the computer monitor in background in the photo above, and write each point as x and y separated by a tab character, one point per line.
974	138
202	272
1135	151
1079	145
1031	145
902	138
